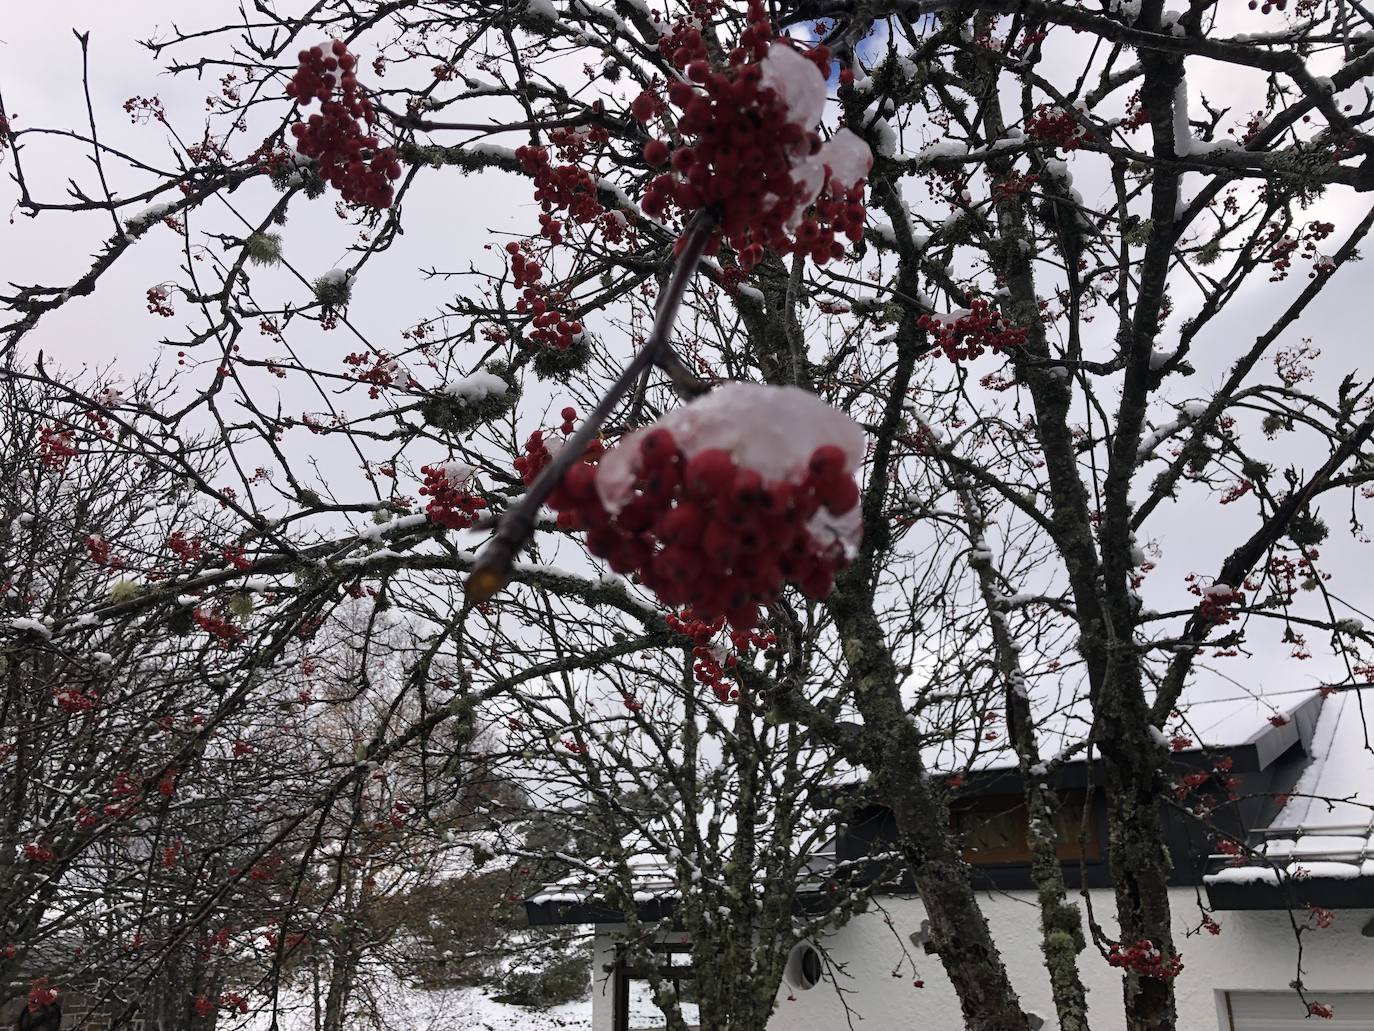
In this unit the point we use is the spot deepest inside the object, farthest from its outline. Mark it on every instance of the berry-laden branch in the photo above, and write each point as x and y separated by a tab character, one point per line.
516	525
674	510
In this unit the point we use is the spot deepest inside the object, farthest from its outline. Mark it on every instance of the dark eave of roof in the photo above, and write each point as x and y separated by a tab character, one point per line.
545	914
1254	755
808	902
1297	894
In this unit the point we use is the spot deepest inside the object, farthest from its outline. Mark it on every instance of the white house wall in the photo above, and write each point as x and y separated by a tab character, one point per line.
1255	951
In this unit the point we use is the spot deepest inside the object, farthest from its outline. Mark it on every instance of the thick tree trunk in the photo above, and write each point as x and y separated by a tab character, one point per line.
892	749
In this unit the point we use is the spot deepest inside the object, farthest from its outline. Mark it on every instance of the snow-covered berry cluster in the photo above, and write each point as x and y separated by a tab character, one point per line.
967	334
1145	959
724	501
37	852
451	503
56	447
1217	602
1055	126
351	159
157	302
379	370
41	994
74	701
752	152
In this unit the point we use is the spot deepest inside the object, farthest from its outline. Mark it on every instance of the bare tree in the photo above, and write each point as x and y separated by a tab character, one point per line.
1057	229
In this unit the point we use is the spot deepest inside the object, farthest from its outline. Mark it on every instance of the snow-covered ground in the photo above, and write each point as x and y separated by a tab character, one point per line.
409	1009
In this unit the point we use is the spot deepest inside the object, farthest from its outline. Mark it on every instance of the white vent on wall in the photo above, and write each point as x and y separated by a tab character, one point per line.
805	966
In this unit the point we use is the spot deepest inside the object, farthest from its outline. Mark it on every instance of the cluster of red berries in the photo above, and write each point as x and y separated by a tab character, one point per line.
536	457
550	228
98	550
157	302
383	371
186	551
236	557
710	665
649	105
1145	959
560	187
41	994
73	701
981	328
38	853
708	533
1217	601
56	447
1055	126
1013	184
262	869
1319	1009
573	141
743	145
222	630
351	159
537	454
550	327
1321	918
1286	575
451	504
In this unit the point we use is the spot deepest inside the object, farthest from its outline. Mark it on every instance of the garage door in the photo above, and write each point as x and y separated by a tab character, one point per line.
1284	1011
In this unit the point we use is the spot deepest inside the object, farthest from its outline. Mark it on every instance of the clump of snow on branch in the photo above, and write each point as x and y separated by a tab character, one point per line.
477	386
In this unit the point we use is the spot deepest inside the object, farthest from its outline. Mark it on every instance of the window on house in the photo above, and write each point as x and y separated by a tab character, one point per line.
635	1008
1285	1011
994	830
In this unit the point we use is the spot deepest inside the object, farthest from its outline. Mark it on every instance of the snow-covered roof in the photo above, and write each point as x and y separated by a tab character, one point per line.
1270	723
654	880
1325	833
1337	788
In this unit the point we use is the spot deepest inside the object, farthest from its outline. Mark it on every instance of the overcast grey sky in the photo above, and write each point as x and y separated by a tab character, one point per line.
450	220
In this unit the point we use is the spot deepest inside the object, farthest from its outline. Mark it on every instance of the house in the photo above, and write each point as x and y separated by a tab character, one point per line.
1310	862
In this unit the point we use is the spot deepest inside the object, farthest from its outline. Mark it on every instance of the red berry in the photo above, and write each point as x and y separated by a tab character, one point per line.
656	152
710	473
826	459
580	482
838	493
658	448
682	525
721	542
